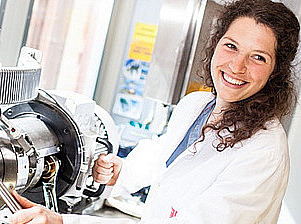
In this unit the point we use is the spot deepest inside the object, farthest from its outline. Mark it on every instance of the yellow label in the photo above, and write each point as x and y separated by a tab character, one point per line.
196	86
143	42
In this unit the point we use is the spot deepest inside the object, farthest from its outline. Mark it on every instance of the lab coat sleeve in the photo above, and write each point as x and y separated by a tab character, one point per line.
81	219
140	167
148	159
253	183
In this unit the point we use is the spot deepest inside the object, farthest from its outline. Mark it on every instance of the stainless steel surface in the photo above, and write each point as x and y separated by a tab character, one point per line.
9	200
9	165
172	46
42	136
48	151
18	84
195	66
182	24
43	139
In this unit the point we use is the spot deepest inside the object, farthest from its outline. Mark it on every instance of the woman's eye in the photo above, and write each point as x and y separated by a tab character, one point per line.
231	46
260	58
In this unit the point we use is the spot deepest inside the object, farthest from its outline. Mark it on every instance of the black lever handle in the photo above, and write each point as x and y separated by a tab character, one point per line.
101	187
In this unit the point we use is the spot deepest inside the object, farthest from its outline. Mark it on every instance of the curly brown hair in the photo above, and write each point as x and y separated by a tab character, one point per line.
244	118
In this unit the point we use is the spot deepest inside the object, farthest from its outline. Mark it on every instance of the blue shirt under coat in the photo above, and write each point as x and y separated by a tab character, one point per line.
193	133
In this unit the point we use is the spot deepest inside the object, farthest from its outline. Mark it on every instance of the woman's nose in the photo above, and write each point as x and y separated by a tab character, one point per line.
238	64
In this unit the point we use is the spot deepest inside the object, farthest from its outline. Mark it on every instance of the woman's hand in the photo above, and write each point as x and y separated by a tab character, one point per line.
33	213
106	169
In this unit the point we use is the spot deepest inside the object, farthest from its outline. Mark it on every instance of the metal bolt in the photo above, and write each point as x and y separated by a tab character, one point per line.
9	112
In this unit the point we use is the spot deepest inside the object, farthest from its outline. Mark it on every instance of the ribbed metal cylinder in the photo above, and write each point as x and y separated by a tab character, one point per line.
18	84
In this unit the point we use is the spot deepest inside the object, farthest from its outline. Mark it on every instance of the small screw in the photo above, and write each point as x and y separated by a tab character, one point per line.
66	131
9	112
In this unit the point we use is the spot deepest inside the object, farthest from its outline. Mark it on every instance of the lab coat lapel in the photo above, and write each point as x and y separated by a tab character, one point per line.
194	112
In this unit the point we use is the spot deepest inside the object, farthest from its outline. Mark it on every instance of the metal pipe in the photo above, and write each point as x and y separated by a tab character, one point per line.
8	199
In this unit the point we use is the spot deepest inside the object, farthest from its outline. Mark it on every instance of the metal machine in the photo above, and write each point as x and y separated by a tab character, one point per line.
49	139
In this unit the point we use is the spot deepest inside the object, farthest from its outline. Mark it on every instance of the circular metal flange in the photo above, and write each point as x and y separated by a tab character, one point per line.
69	139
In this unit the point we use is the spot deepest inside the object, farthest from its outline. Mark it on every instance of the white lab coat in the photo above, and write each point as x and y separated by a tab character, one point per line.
241	185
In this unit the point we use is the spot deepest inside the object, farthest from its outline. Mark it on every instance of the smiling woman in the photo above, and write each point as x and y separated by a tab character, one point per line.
249	66
224	157
243	61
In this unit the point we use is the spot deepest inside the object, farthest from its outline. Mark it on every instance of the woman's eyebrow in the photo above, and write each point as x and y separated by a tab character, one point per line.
229	38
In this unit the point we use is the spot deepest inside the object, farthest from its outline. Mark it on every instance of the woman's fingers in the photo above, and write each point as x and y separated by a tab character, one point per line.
106	169
102	175
33	213
105	161
36	215
25	203
103	169
25	215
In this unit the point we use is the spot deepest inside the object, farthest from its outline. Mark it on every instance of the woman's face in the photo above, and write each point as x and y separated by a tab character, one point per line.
243	60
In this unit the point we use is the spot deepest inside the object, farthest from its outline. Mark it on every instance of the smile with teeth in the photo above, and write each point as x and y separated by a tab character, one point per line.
231	80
